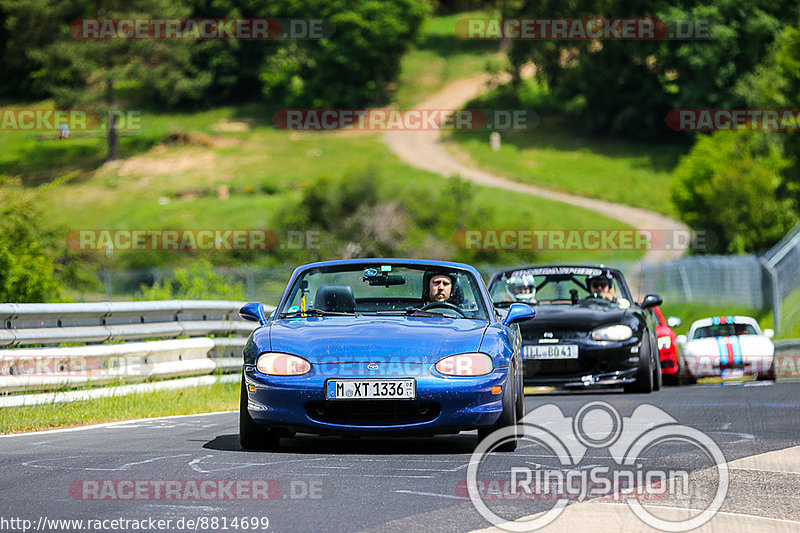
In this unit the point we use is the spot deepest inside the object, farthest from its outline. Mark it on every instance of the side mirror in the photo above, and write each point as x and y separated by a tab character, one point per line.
518	313
651	300
681	339
674	322
769	333
253	311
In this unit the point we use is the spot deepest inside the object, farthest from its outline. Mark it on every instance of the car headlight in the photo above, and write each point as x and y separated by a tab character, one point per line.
282	364
664	343
618	332
465	364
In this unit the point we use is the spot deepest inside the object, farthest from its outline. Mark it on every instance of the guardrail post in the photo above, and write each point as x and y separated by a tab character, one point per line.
775	292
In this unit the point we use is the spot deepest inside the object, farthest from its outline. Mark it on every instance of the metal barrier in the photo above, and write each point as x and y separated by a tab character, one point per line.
106	358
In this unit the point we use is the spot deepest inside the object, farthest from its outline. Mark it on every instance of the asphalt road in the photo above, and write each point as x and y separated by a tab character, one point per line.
335	484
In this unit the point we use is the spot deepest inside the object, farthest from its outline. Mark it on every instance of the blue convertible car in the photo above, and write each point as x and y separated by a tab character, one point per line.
382	346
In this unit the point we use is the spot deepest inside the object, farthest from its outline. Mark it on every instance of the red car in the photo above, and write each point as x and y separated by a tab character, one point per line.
667	345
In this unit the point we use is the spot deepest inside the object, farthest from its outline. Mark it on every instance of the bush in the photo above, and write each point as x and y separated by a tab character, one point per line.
729	184
198	282
30	263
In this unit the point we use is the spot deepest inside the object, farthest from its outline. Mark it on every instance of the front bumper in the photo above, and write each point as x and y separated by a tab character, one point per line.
442	405
700	366
598	364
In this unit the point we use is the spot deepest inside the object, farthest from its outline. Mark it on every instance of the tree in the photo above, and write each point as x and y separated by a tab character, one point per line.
89	72
729	185
355	66
626	87
775	84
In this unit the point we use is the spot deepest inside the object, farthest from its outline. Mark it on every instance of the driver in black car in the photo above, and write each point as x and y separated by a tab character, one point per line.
602	286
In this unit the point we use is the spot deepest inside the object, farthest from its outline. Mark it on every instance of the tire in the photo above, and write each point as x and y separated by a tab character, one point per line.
507	418
644	376
253	436
770	375
658	377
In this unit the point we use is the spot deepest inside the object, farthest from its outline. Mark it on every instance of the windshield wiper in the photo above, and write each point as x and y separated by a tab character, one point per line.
413	311
314	312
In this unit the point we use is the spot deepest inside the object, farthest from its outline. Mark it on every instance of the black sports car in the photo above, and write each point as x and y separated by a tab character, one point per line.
588	331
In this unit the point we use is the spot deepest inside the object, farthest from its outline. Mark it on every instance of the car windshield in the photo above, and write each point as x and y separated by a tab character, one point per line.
583	286
385	289
724	330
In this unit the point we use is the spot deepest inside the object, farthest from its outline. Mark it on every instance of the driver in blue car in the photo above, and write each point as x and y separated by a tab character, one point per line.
440	287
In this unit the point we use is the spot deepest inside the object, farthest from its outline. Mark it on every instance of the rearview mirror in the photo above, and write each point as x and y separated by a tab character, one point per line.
518	313
254	312
681	339
769	333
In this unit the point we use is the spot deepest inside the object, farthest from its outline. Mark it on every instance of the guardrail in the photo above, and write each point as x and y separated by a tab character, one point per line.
107	356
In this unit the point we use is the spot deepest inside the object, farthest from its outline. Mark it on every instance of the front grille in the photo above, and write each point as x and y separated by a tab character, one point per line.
373	412
533	369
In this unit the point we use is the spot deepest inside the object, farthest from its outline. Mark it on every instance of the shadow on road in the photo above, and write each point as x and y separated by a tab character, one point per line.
314	444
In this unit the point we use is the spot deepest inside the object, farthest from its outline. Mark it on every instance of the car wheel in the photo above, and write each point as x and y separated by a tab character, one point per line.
253	436
658	378
770	375
644	376
507	418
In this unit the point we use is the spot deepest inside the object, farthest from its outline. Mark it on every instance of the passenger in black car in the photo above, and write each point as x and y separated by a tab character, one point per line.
603	287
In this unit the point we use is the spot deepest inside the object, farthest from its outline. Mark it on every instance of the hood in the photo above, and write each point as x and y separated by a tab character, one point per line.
363	339
572	318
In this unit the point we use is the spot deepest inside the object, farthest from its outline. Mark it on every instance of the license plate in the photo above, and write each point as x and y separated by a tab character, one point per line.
551	351
371	389
732	373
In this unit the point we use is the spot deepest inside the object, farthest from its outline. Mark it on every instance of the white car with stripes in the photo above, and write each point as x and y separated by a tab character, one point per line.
727	347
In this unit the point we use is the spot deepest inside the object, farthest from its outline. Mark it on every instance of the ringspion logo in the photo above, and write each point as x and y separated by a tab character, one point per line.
595	427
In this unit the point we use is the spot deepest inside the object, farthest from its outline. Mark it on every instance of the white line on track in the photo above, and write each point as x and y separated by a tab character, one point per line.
116	423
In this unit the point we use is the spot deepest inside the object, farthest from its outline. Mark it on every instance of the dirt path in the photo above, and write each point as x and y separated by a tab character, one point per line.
424	149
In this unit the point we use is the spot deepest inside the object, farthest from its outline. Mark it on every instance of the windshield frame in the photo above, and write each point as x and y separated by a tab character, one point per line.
547	274
485	310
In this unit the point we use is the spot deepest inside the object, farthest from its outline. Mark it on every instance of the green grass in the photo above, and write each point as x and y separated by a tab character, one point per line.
790	316
557	156
442	57
689	312
159	186
217	397
127	194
